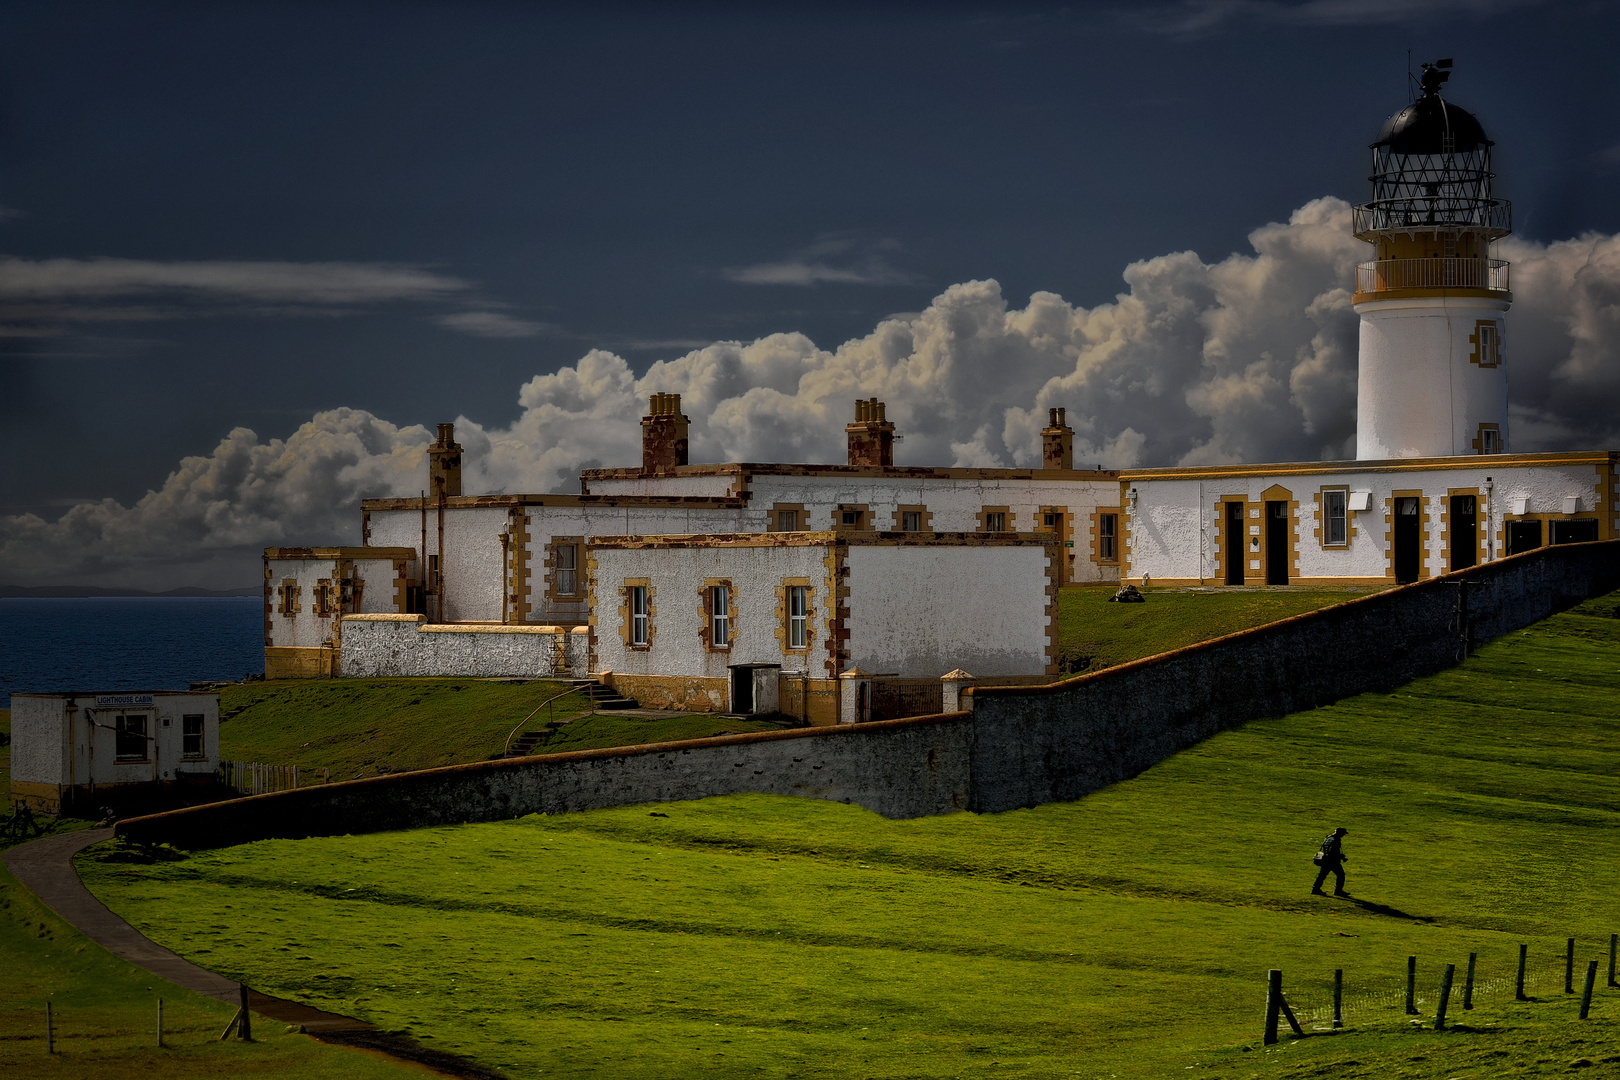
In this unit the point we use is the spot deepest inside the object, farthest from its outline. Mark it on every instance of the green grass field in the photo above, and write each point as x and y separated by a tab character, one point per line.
1093	633
1124	935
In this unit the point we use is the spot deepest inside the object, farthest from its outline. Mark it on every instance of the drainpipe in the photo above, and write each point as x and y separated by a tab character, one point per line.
1490	528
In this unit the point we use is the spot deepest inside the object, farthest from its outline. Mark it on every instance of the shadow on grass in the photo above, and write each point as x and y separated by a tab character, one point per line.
1386	910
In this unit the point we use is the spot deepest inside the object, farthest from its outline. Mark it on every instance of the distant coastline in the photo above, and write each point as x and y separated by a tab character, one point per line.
84	592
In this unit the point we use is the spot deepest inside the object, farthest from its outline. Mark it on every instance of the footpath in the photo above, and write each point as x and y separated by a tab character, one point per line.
45	868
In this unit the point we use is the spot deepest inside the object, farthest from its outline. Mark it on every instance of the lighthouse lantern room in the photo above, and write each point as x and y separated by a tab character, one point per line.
1432	379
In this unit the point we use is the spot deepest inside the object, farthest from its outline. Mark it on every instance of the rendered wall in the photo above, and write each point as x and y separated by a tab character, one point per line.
921	611
678	576
1173	535
378	646
1419	393
900	769
39	751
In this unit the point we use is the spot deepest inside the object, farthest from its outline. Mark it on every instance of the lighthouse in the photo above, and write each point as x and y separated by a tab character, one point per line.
1432	375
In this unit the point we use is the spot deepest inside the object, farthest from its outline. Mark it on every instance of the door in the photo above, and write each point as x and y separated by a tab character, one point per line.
1278	542
742	690
1408	540
1463	526
1235	544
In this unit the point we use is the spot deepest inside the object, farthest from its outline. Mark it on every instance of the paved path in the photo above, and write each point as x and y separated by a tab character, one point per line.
45	868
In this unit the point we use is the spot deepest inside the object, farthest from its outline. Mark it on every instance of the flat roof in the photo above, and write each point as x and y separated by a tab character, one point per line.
858	538
1311	468
340	553
462	502
897	472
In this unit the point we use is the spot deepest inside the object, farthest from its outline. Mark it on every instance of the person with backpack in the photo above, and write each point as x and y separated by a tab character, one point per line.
1331	859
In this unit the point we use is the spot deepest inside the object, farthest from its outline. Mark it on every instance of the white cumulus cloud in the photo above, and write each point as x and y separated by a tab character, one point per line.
1248	358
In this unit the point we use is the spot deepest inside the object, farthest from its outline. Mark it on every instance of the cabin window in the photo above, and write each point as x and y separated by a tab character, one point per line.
191	736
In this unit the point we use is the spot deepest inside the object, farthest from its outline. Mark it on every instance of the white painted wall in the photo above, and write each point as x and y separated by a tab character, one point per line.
920	612
55	744
1418	393
1173	531
712	484
678	574
305	629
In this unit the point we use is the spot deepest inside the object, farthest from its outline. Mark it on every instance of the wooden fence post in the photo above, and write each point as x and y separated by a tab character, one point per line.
1411	986
50	1031
1518	984
1569	967
1445	997
1614	942
160	1022
1591	981
1273	1001
244	1030
1468	987
1338	997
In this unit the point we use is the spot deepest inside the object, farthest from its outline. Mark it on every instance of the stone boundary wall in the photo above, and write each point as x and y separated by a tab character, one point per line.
1020	746
408	646
1054	743
898	768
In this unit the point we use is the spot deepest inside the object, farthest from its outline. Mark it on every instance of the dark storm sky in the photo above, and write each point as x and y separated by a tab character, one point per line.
647	179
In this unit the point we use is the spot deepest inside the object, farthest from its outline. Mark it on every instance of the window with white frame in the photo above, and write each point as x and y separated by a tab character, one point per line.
1107	537
995	521
191	736
798	628
565	558
720	616
639	623
910	521
1335	517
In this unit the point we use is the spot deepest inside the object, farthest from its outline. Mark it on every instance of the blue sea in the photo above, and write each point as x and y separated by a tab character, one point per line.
133	643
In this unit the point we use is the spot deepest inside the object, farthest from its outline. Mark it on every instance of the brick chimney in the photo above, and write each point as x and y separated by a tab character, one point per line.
444	463
871	436
663	434
1057	442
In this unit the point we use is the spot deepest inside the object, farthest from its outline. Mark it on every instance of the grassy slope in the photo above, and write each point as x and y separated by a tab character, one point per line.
105	1015
1099	634
1123	935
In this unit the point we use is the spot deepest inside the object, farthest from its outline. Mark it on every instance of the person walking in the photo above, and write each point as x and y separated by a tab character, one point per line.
1331	859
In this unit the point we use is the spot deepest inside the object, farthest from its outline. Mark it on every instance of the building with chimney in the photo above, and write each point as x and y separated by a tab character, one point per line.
848	591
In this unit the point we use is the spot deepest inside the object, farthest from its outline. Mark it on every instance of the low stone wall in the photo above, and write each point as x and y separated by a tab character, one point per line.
298	662
378	646
898	768
689	693
1020	746
1036	745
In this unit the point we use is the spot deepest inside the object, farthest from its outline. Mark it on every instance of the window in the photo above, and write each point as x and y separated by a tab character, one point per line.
798	598
1108	537
1489	439
786	517
639	622
720	616
130	741
323	598
910	521
1487	344
289	597
566	558
1335	519
850	517
995	521
191	736
1574	531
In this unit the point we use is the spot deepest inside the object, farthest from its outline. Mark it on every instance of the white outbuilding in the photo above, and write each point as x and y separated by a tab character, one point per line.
77	752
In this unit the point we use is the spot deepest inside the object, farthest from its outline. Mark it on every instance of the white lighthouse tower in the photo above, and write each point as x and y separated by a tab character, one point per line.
1432	379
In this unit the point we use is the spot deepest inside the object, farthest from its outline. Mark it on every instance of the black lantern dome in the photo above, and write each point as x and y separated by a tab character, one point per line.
1432	172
